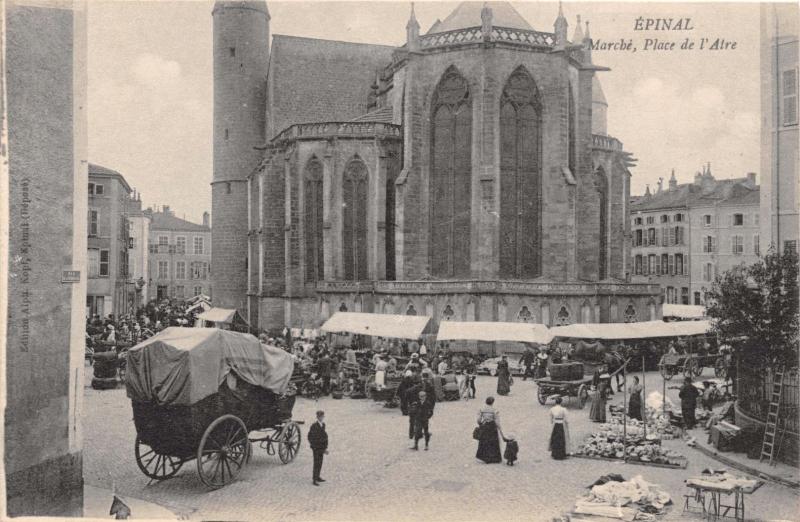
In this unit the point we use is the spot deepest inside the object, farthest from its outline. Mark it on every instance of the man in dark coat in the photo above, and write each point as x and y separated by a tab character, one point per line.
420	411
318	440
527	360
324	368
688	395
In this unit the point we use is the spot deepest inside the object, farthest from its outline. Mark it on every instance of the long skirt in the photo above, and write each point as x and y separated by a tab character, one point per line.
558	442
540	372
503	383
380	379
489	444
597	413
635	407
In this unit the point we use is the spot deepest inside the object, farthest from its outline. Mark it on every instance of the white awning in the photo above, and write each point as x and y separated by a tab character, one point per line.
380	325
493	331
222	315
200	304
684	311
642	330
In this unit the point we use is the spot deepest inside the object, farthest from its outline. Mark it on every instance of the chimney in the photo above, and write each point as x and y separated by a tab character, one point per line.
698	177
751	179
165	209
206	219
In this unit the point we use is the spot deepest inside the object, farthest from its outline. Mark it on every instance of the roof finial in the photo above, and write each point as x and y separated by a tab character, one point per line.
412	31
486	21
560	26
577	38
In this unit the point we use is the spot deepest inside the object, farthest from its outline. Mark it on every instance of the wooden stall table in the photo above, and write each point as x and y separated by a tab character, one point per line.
713	489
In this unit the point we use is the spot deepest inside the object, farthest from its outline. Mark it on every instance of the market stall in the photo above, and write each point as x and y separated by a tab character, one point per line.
378	325
493	331
222	318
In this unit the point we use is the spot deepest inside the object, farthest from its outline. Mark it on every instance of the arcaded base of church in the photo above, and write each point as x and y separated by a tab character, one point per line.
506	301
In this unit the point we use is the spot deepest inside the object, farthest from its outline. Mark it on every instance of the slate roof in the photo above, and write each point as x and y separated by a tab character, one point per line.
163	221
313	80
468	14
722	191
98	170
382	115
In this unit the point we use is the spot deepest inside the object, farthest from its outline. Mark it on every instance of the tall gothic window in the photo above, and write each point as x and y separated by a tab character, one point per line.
391	176
313	221
520	179
451	177
601	183
354	230
572	160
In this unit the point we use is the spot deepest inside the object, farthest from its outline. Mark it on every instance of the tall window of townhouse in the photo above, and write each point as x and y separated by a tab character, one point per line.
737	220
638	241
756	244
708	244
180	244
679	264
450	186
789	97
94	219
684	295
180	269
163	240
737	245
520	177
198	245
637	266
697	298
163	270
651	264
665	264
313	221
104	262
93	262
651	236
354	229
707	220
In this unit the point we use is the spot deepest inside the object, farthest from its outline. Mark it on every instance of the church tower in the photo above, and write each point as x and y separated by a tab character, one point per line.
241	54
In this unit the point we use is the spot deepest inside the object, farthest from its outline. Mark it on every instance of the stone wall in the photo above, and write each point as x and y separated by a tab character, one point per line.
47	201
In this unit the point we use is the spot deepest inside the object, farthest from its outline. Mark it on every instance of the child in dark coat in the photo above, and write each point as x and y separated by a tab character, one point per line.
512	448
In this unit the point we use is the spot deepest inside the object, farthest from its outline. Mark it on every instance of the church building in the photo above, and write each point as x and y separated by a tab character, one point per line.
466	175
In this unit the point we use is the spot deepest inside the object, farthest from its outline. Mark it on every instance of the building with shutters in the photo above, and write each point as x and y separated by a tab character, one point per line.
110	288
684	235
780	132
464	175
179	262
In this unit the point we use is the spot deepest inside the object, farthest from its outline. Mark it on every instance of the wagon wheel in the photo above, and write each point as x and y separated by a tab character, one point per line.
583	394
667	371
155	465
223	451
689	367
347	388
541	394
697	368
289	443
720	368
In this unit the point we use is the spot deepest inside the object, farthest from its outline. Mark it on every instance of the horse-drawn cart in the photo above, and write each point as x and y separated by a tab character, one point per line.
549	388
691	365
199	393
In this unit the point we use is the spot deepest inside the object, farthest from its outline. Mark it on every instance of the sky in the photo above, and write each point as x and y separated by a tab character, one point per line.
150	84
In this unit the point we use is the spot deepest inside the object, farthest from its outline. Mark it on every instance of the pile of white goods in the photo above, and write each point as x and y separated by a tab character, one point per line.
625	500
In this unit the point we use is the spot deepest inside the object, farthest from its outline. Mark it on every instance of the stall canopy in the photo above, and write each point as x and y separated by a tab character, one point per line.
199	297
201	306
642	330
380	325
684	311
222	315
493	331
181	366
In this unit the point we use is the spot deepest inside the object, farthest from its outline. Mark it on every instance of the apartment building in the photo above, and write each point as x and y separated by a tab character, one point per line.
179	256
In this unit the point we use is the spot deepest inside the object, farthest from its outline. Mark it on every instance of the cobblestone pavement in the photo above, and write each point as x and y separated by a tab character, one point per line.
373	475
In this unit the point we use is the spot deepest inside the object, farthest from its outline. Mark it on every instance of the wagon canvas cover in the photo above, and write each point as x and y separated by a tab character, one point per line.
181	366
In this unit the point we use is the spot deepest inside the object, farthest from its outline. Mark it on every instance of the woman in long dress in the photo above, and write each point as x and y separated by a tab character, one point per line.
635	401
541	363
559	438
503	377
490	431
597	413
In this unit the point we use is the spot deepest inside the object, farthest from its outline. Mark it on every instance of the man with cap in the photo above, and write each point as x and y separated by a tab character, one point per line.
688	396
318	440
420	412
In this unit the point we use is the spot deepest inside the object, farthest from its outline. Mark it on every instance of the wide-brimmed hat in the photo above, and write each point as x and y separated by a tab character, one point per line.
605	376
414	355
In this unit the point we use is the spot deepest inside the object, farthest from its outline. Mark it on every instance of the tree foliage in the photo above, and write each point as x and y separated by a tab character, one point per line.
755	309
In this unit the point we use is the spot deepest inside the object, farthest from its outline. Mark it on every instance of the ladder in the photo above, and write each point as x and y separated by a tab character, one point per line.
768	449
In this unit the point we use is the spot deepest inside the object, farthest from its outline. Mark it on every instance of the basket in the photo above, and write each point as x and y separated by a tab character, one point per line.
337	394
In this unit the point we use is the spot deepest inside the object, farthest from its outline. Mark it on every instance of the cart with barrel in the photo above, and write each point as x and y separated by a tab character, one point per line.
565	380
207	395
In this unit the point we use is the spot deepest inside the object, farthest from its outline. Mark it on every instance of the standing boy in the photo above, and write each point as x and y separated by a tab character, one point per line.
318	439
